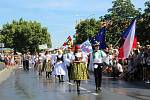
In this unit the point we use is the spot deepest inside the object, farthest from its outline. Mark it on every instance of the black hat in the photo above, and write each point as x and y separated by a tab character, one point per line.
96	43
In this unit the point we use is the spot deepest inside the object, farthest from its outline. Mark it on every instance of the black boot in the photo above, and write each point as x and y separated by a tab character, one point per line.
59	78
62	78
47	76
99	88
78	86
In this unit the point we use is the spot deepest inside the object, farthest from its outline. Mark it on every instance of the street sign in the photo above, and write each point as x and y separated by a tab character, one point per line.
43	46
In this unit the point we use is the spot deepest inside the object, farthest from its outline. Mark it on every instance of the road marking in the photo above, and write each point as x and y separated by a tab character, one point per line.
22	67
95	94
70	83
82	88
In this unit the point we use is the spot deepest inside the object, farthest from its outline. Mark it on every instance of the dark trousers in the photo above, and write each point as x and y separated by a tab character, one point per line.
61	78
98	75
48	74
69	72
44	66
26	64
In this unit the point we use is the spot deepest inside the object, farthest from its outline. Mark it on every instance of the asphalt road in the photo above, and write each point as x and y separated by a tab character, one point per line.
23	85
1	66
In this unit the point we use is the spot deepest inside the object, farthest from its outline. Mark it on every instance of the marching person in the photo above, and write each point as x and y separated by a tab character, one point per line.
28	58
79	69
40	64
45	57
36	61
59	67
49	66
68	59
98	57
24	61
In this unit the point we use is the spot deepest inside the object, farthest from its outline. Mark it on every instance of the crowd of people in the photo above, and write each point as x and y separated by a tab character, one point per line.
10	59
76	64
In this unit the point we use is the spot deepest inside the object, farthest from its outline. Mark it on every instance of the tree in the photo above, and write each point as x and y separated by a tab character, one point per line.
85	29
25	36
120	16
1	37
144	25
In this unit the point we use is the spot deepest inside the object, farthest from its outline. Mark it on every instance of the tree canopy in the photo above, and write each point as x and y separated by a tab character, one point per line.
144	25
118	18
25	36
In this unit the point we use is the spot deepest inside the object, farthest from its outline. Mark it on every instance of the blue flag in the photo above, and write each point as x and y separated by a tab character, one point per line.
100	38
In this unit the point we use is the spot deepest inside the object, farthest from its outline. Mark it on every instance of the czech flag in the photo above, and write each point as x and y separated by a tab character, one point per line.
130	41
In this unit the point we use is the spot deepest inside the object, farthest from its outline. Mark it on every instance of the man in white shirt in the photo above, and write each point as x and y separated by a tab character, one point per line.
98	57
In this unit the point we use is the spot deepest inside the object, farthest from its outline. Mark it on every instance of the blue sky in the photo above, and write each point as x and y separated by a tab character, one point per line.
59	16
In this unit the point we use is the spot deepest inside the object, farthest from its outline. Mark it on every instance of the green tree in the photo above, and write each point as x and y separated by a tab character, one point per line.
25	36
1	37
144	25
85	29
120	16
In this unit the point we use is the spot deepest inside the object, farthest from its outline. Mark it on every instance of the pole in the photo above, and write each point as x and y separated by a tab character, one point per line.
117	42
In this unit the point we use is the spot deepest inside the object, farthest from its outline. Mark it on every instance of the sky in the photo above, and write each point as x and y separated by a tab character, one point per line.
59	16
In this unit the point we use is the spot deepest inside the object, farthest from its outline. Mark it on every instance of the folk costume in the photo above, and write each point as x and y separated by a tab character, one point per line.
49	66
68	59
40	64
98	57
79	69
59	67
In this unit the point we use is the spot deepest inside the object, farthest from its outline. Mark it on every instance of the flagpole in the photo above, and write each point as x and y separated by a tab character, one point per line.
117	42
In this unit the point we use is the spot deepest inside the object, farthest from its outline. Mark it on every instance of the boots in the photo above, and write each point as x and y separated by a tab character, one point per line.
62	78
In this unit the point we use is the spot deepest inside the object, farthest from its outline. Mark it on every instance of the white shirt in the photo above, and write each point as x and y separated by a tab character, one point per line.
119	67
99	56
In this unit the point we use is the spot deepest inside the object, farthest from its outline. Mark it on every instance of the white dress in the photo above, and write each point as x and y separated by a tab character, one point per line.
59	69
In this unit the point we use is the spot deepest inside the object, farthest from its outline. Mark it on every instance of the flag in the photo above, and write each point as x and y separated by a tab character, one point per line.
64	44
69	38
129	40
86	47
68	42
100	38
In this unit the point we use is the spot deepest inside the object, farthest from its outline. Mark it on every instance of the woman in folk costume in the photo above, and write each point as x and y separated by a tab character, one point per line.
45	56
49	66
59	67
36	61
79	69
40	64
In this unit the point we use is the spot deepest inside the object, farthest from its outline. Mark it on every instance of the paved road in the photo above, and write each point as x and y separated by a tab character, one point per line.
22	85
1	66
